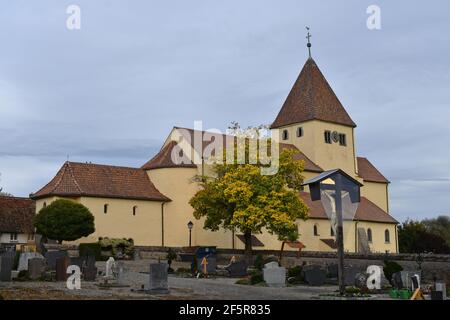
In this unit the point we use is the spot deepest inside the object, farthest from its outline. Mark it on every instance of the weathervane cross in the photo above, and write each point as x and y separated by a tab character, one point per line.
308	36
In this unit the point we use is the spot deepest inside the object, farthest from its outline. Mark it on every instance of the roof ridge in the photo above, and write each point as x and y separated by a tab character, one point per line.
73	177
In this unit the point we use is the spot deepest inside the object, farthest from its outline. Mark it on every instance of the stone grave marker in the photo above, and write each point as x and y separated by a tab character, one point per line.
158	278
274	275
237	269
24	257
120	271
332	270
36	267
6	265
109	268
61	268
350	273
89	270
315	276
441	287
52	256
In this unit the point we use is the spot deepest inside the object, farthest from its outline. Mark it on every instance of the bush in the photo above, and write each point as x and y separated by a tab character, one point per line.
64	220
256	277
243	281
90	249
295	275
16	260
117	246
259	262
391	267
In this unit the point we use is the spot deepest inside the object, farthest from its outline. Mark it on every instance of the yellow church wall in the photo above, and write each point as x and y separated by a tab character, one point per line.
312	144
378	244
377	193
177	184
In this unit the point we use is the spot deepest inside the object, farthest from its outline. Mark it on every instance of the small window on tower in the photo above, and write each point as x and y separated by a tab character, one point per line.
285	135
327	135
299	132
331	232
342	139
134	210
105	208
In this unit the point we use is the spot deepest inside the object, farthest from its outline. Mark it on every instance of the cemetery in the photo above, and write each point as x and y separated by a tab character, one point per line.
211	274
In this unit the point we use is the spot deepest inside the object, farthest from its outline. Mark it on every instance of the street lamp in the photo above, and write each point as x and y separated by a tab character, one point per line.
339	194
190	226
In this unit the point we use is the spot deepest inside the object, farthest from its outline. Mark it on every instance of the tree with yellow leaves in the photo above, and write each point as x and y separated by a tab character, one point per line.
240	198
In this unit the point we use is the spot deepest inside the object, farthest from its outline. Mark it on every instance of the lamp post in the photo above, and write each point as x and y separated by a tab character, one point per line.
340	196
190	226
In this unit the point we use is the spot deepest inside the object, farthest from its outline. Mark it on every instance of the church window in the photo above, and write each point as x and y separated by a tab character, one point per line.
342	139
327	135
387	237
316	232
13	237
369	235
44	205
285	135
299	132
332	232
134	210
105	208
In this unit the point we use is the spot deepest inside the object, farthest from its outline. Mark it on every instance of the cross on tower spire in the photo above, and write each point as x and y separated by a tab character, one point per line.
308	36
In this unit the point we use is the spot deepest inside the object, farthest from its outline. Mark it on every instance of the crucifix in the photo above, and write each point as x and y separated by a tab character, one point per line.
308	36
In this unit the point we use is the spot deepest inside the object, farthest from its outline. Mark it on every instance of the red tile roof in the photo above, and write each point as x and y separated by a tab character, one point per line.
16	215
311	98
94	180
368	172
367	210
163	158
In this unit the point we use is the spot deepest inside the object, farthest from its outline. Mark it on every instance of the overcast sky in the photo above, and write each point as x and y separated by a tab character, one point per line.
111	91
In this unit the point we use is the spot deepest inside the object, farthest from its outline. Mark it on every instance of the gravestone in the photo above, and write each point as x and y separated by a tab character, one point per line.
24	257
158	278
274	275
315	276
109	268
361	280
210	253
89	270
6	265
61	268
120	271
237	269
441	287
36	267
397	280
350	273
406	278
332	270
52	256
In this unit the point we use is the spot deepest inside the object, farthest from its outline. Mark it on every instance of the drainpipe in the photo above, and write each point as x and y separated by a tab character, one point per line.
162	223
356	236
396	239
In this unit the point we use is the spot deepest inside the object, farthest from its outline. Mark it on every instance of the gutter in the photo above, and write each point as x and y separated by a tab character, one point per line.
162	223
356	236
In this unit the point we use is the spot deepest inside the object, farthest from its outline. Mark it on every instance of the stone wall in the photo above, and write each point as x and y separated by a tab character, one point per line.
433	265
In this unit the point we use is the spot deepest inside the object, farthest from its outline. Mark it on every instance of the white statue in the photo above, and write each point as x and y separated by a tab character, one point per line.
110	266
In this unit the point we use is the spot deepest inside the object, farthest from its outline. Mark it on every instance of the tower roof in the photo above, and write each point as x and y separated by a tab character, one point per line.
311	98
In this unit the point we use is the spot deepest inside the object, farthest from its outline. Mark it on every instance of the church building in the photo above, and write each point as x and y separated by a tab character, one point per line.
150	204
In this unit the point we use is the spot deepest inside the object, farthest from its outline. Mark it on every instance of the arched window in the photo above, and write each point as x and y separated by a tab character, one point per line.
105	208
369	235
45	204
316	232
285	134
332	231
134	210
299	132
387	236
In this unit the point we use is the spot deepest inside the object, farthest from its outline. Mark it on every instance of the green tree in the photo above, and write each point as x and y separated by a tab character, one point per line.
64	220
414	237
439	226
239	197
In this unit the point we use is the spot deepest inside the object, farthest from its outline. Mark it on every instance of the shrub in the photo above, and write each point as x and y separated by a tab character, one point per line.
117	246
64	220
90	249
295	275
391	267
243	281
256	277
259	262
